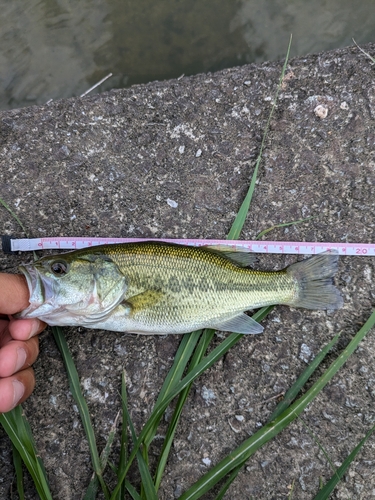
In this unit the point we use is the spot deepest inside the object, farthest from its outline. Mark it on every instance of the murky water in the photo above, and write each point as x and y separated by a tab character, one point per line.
59	48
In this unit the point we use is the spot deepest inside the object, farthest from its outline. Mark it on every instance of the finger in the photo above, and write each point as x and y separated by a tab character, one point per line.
23	329
5	336
14	390
14	295
17	355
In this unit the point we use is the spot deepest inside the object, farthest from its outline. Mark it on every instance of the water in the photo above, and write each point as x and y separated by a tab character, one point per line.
51	49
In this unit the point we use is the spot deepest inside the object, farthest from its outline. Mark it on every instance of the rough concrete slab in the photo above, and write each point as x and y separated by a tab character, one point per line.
108	164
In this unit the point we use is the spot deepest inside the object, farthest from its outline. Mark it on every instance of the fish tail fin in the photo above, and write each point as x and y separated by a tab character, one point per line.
314	282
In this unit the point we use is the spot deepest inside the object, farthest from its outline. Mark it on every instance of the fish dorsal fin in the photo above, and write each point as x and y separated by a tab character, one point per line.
243	259
238	324
143	300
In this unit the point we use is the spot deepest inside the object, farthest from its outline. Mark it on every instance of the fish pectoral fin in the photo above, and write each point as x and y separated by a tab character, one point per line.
238	324
143	300
241	258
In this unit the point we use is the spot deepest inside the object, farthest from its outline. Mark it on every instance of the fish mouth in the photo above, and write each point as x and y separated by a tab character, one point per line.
38	292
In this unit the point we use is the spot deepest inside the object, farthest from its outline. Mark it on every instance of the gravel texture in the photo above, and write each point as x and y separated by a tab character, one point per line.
174	159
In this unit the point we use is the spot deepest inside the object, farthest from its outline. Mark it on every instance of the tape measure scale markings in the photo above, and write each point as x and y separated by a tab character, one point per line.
11	245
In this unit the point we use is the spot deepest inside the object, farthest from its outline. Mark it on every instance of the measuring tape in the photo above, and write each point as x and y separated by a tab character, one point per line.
10	245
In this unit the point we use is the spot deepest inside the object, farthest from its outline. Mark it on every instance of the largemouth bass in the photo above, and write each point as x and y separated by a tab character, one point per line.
159	288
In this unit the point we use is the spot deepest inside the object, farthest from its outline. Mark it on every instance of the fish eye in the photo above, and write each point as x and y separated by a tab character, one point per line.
59	268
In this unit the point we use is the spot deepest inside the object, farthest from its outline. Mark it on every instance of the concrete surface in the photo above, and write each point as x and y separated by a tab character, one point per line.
127	163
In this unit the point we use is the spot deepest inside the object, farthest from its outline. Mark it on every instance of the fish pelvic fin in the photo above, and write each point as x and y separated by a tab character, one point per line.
314	279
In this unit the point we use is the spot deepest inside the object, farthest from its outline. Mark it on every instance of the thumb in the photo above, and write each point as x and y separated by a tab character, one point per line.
14	293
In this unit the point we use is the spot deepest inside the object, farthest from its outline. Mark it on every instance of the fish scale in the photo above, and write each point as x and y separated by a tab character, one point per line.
208	272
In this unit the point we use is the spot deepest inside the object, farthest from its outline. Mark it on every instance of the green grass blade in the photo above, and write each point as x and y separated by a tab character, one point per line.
5	205
148	488
42	474
17	462
251	445
283	405
124	437
75	388
364	52
168	441
159	409
25	431
291	394
319	445
14	426
92	489
205	340
236	228
228	482
183	354
285	224
328	488
104	456
132	491
291	490
26	436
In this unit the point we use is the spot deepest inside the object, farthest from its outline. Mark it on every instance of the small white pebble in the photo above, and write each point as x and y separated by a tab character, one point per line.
344	105
172	203
305	353
240	418
198	153
206	461
207	394
321	111
181	149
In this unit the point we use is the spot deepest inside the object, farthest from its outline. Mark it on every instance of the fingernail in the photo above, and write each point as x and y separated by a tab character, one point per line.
18	391
34	328
21	359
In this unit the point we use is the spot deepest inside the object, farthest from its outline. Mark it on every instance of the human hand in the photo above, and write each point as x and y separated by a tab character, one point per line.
19	347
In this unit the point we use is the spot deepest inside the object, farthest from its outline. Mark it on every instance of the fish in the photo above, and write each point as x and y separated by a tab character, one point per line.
164	288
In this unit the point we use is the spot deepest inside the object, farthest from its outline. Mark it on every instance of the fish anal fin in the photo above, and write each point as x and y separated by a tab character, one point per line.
238	324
